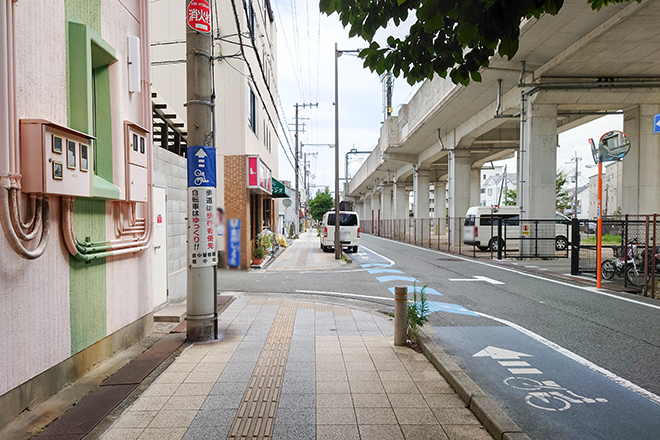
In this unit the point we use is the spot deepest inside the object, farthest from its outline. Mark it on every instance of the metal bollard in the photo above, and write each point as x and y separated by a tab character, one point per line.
400	315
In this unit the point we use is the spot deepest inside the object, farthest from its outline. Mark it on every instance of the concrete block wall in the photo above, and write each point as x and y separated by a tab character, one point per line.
170	172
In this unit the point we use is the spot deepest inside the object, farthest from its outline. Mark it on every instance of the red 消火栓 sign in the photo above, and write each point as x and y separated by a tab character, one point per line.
259	175
199	16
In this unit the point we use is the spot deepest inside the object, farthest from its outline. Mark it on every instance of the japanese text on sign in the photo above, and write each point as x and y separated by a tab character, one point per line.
201	236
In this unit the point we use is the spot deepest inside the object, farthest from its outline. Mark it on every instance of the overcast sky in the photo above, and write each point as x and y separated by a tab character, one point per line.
305	50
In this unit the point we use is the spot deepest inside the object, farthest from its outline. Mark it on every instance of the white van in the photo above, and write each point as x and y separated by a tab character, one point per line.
477	227
349	230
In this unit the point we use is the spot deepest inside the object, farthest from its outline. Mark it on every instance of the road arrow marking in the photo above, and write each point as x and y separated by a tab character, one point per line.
477	278
387	278
373	271
500	353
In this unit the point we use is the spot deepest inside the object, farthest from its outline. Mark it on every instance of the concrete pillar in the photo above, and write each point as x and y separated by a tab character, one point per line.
387	213
475	187
400	201
440	206
375	211
539	193
421	203
459	190
640	180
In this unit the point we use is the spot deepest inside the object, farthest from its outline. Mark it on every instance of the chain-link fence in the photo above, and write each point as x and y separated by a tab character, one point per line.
625	243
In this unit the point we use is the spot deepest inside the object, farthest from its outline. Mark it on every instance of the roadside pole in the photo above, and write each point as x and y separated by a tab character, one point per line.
202	256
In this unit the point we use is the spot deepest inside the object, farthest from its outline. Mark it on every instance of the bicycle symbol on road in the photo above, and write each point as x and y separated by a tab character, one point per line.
548	395
201	178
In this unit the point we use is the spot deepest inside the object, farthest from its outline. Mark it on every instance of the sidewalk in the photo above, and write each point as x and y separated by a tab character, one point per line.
288	369
305	254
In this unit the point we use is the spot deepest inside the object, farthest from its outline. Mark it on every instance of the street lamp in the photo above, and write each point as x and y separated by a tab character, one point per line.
338	53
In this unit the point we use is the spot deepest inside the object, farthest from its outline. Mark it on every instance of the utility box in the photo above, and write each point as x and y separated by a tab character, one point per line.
138	151
55	160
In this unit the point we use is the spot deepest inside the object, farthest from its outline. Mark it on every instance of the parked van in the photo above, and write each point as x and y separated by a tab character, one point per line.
349	231
478	220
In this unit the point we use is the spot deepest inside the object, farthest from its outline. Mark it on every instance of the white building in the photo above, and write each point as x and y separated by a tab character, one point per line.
246	121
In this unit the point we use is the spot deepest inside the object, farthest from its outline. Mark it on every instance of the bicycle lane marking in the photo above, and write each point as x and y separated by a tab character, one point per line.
548	394
530	275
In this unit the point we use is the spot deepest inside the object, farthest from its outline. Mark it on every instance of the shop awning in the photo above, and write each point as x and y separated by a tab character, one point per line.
279	190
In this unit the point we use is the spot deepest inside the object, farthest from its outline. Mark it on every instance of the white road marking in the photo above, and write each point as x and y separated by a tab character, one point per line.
500	353
538	277
579	359
525	371
477	278
514	364
353	295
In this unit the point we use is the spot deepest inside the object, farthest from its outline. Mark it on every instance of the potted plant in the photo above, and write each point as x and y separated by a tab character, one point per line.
258	254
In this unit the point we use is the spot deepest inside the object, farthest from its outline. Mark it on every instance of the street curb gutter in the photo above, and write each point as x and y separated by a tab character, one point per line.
488	412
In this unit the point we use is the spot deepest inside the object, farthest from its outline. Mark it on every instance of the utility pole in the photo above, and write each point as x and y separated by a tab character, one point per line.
303	105
202	255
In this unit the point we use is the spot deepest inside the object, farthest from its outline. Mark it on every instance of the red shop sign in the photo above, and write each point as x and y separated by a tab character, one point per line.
199	16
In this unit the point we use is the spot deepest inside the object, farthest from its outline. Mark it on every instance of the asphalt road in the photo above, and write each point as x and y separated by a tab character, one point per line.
563	361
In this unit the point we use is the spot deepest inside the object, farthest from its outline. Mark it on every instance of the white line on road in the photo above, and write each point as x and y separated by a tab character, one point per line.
477	278
353	295
525	371
579	359
514	364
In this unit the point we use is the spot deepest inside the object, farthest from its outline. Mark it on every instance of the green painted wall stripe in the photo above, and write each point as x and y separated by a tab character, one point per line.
87	280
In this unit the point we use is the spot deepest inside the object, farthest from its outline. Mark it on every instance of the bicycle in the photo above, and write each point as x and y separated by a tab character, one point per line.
557	398
629	265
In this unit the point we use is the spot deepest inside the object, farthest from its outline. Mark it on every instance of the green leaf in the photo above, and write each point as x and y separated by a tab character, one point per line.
476	76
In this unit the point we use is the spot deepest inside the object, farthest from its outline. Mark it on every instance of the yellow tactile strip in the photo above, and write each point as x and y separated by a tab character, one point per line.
255	418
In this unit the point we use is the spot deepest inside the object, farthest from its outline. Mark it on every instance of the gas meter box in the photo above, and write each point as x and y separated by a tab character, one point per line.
55	160
138	152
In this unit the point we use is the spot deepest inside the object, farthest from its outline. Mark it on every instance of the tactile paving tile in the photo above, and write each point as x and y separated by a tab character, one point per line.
255	418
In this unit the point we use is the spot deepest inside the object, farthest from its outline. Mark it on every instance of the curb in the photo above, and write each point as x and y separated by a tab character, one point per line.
488	412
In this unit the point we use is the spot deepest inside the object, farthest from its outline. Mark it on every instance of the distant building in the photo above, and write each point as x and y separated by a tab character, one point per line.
494	187
612	181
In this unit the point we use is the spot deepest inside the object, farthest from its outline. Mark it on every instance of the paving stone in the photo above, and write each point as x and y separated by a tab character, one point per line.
371	400
162	434
336	432
363	376
455	416
222	401
466	432
184	403
366	387
335	416
411	400
297	400
298	431
444	400
228	387
294	386
206	432
375	416
214	417
173	419
117	433
135	419
146	403
332	387
331	376
423	432
292	416
415	416
380	432
338	400
400	387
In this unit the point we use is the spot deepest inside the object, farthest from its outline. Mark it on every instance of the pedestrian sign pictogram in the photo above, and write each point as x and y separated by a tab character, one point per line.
199	16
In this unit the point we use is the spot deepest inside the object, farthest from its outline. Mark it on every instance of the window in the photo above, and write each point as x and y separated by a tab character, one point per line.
252	110
490	191
483	190
90	58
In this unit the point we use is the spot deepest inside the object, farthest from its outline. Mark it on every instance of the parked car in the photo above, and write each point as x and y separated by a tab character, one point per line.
349	231
478	221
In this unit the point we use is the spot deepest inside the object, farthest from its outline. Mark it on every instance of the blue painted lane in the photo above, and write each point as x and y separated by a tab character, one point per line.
388	278
418	289
549	395
384	270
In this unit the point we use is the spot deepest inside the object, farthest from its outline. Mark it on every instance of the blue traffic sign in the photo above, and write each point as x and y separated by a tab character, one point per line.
656	123
201	167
